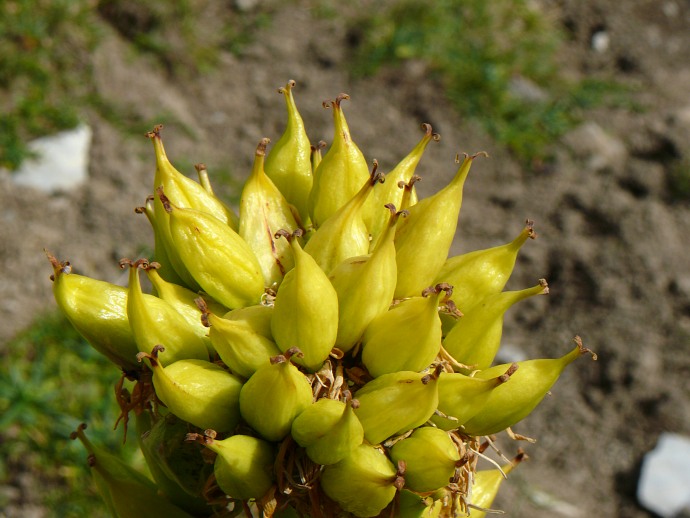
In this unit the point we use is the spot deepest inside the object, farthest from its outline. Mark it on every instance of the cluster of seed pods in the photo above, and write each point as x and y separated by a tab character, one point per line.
317	354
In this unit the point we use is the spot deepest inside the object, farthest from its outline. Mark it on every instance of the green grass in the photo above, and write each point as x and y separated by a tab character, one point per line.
45	58
51	380
44	48
476	50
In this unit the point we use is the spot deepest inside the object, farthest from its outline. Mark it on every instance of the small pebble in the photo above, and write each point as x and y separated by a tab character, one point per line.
664	485
61	164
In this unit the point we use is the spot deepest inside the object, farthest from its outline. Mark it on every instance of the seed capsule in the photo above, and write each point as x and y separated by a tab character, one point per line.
183	191
243	467
365	286
411	505
430	457
395	403
154	321
407	337
98	311
263	211
125	491
316	155
238	343
257	317
376	220
421	253
478	274
511	402
204	180
363	483
172	255
486	485
475	339
344	234
183	300
289	162
177	467
329	430
197	391
218	258
409	196
167	269
274	396
461	397
340	174
305	310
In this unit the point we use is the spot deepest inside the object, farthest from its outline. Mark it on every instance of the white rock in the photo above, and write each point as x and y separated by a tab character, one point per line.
246	5
664	485
600	41
61	164
670	9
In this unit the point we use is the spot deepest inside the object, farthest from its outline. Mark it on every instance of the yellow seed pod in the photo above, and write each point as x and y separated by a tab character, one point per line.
243	466
161	256
155	321
329	430
407	337
184	301
423	238
289	162
176	466
98	311
240	343
409	194
478	274
305	309
511	402
365	287
476	337
396	403
316	155
274	396
486	485
197	391
257	316
344	234
219	259
363	483
263	211
340	173
461	397
375	219
430	456
412	505
181	190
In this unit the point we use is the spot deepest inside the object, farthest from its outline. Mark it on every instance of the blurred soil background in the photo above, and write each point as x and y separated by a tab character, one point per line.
583	107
